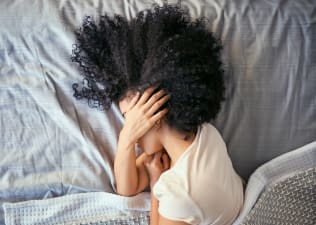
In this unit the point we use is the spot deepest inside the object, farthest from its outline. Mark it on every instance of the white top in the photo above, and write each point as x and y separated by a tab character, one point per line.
202	187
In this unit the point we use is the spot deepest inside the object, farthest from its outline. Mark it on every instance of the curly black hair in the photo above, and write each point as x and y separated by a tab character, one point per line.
161	45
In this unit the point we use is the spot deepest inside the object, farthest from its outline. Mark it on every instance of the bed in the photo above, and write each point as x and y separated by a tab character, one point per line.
56	151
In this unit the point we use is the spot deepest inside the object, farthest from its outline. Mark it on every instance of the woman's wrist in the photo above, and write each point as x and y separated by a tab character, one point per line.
126	140
153	181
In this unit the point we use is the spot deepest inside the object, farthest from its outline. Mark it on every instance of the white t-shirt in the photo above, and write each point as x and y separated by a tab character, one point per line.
202	187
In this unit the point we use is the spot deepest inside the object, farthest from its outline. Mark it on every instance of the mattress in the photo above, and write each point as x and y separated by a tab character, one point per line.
52	145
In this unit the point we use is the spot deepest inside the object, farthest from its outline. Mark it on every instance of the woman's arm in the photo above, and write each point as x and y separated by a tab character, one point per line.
130	173
154	214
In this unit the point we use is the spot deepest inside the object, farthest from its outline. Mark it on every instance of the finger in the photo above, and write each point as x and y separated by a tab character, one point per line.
153	99
148	159
158	116
156	106
133	102
157	159
157	156
147	165
165	161
147	93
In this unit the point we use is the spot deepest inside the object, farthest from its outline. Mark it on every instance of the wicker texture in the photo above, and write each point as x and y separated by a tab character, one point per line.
287	202
141	219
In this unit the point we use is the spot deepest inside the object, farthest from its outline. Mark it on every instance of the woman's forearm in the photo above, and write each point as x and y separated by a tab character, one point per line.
125	169
154	214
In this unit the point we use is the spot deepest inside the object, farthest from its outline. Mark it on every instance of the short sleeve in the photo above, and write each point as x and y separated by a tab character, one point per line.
174	201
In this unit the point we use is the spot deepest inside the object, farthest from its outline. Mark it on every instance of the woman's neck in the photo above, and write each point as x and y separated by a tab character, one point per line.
175	143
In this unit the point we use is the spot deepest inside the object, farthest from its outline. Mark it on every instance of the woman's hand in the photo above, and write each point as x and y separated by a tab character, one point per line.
141	114
155	166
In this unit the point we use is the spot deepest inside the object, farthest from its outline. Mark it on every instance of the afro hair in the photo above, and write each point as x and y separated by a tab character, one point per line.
160	46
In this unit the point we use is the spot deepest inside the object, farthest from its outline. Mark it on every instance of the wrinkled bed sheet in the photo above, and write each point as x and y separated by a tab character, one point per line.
106	208
78	209
52	145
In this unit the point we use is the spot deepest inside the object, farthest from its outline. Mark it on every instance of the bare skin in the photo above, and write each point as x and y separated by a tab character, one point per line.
162	147
130	173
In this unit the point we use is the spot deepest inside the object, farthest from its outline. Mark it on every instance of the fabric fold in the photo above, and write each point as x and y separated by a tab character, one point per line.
274	171
76	209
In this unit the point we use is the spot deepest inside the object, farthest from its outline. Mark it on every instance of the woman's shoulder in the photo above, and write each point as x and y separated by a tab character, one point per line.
210	137
210	129
175	201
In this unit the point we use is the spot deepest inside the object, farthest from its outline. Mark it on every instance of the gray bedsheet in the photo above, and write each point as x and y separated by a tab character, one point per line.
284	187
53	145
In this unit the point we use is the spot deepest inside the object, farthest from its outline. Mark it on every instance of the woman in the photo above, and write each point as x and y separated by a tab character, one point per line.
165	73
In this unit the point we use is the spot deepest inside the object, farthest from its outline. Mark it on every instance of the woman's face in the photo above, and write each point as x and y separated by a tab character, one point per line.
149	142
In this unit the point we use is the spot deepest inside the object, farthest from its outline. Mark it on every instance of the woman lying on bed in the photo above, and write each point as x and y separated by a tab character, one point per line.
164	71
